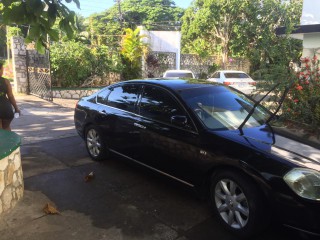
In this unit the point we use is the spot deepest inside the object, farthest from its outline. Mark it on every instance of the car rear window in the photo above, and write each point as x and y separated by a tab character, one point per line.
236	75
124	97
102	96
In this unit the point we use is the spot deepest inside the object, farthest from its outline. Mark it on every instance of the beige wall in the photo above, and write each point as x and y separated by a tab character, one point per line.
311	44
310	16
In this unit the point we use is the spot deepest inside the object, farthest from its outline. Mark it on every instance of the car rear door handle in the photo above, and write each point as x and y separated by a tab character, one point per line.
103	112
139	126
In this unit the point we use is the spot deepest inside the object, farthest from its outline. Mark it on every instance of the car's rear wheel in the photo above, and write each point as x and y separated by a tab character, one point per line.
237	203
96	147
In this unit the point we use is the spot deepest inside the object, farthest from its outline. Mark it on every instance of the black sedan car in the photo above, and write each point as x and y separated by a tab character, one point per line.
212	138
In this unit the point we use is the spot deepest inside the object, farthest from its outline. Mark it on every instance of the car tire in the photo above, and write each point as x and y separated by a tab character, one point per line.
95	145
237	203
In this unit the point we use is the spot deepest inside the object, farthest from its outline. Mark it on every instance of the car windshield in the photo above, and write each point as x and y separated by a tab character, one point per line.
179	74
219	107
235	75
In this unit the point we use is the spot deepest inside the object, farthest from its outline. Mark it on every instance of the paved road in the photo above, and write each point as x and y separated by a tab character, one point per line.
122	202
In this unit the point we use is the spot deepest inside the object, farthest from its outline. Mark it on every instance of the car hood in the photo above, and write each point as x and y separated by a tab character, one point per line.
270	141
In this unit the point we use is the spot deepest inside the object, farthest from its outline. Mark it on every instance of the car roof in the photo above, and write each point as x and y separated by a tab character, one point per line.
180	71
230	71
173	83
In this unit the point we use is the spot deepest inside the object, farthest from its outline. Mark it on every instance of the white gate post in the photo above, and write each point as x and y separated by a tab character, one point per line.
178	52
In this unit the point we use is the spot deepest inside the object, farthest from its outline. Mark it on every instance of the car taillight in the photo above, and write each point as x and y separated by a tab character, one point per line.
252	83
228	83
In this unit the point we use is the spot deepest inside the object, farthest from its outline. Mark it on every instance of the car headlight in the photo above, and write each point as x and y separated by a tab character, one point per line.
304	182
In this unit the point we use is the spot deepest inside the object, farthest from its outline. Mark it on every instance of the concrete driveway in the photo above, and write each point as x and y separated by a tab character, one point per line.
41	120
122	202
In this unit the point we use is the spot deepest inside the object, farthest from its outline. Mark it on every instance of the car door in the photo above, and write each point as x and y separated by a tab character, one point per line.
168	136
117	118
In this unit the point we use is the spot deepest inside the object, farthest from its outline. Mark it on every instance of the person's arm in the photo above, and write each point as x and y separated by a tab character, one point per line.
11	97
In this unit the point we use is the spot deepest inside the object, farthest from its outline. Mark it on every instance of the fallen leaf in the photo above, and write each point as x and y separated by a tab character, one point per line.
89	177
50	209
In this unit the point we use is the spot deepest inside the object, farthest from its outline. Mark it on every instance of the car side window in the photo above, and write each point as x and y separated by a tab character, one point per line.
159	105
102	96
124	97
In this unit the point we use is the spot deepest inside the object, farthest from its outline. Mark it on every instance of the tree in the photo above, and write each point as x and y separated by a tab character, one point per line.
255	37
214	21
79	33
160	15
242	28
40	16
133	49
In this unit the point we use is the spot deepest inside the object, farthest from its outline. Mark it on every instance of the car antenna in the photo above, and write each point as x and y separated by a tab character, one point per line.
280	101
254	107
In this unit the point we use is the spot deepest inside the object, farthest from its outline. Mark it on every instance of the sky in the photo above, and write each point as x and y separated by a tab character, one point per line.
89	7
310	13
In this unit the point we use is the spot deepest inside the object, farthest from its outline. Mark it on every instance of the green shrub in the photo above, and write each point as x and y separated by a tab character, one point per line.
74	62
104	60
130	71
303	101
71	63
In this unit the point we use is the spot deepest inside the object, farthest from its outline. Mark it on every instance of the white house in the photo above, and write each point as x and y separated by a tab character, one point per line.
164	41
309	28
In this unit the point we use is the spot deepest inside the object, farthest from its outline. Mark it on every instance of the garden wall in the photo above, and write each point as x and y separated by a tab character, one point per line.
72	93
19	65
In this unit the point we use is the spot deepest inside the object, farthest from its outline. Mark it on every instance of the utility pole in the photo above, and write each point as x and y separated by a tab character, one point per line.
120	13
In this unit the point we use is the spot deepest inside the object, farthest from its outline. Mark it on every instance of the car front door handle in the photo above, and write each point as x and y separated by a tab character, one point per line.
139	126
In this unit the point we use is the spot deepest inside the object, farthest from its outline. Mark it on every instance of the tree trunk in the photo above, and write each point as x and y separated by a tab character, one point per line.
224	56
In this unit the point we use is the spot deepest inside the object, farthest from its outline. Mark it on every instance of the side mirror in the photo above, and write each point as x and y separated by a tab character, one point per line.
179	120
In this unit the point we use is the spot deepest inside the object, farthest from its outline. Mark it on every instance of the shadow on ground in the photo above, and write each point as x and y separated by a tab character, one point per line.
123	201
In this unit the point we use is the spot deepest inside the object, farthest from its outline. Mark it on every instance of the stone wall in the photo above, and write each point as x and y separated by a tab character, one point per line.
159	62
19	65
72	93
11	181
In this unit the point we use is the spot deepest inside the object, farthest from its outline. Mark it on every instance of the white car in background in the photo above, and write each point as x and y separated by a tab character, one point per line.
236	79
179	74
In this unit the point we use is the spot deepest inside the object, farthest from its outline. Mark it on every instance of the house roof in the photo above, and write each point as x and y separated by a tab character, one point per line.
300	30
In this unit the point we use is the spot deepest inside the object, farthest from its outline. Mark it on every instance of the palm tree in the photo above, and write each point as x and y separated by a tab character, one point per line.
133	48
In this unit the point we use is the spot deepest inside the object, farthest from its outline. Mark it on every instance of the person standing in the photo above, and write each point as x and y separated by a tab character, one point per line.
7	100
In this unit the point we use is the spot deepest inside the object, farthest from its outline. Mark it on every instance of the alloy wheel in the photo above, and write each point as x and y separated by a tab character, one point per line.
93	142
231	203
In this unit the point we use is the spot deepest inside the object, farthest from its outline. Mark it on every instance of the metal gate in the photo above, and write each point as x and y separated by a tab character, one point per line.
39	78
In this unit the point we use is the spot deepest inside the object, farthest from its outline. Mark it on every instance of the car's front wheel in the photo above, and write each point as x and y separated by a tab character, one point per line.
96	148
237	203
